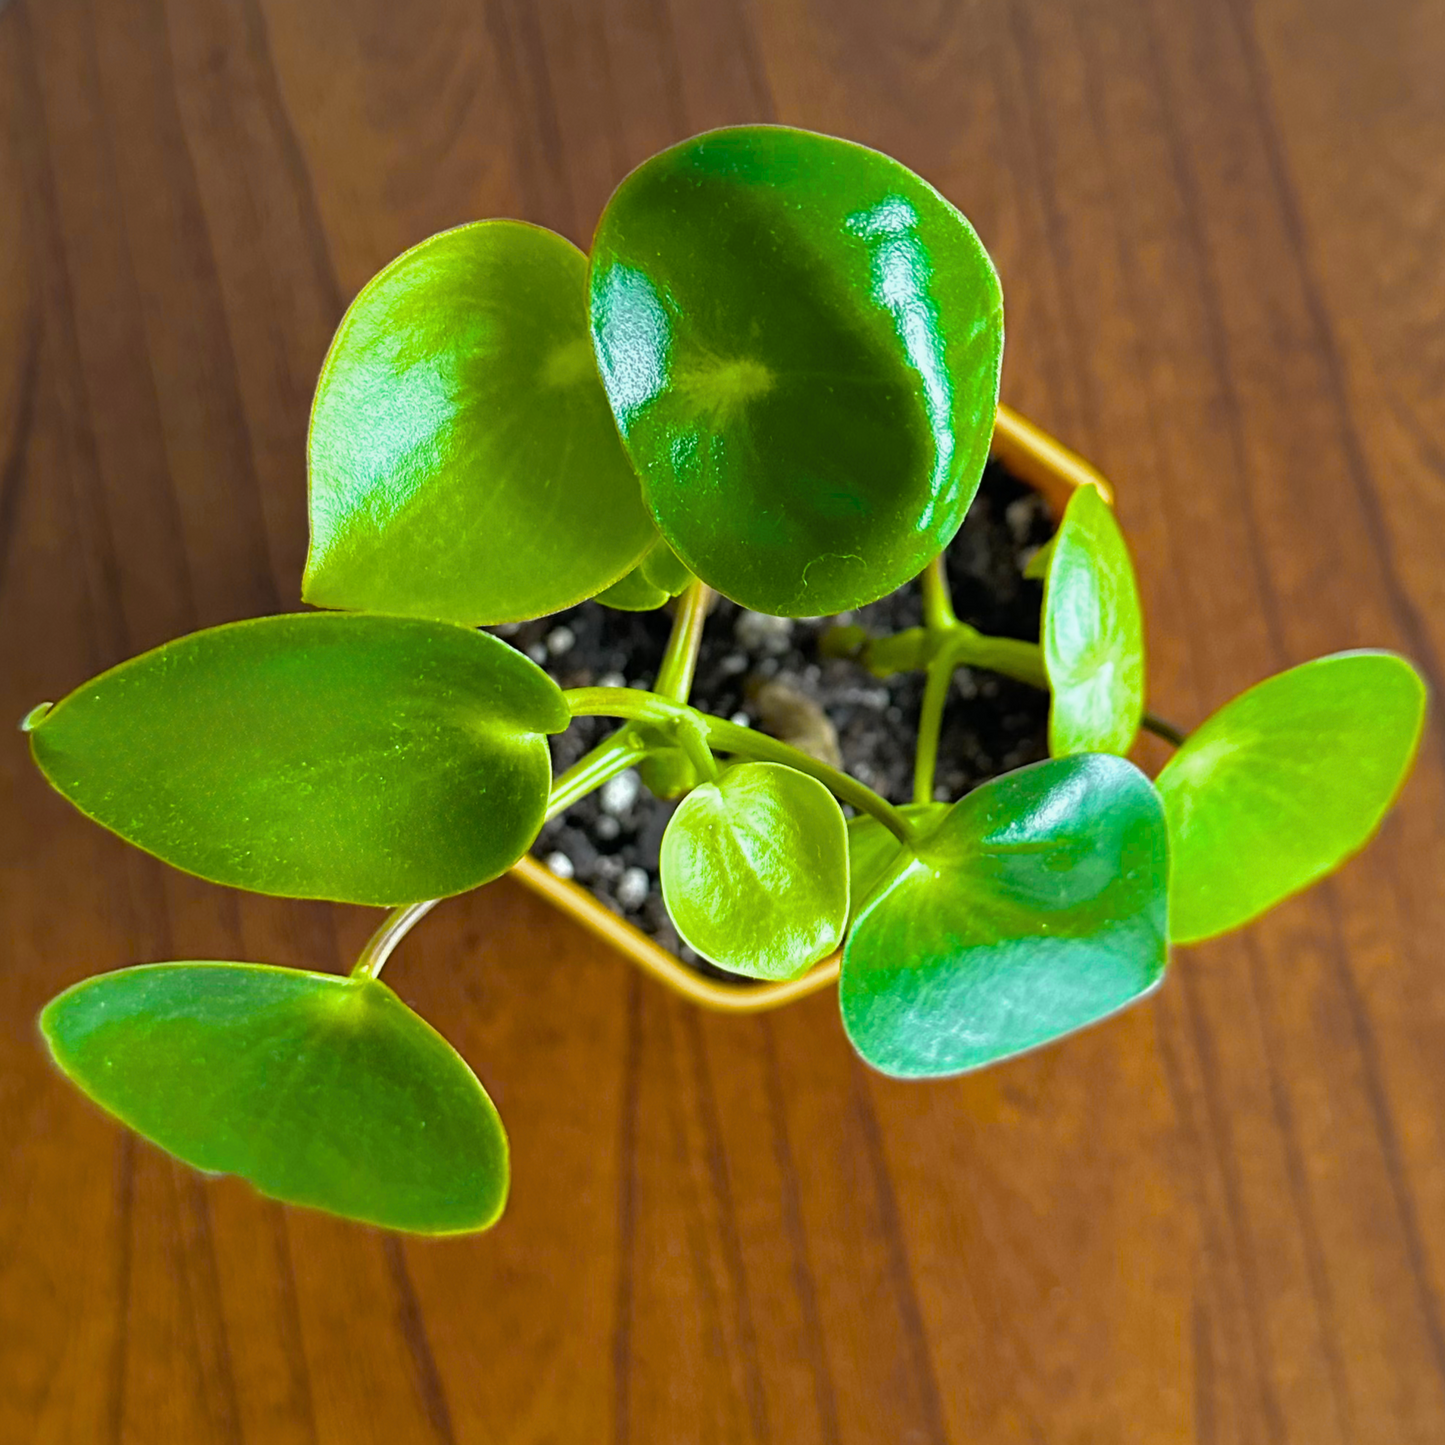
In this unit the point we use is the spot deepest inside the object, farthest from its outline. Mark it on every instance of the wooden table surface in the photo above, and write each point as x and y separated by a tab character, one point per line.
1218	1218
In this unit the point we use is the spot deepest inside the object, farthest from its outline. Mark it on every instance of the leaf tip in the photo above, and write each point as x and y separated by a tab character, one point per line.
35	716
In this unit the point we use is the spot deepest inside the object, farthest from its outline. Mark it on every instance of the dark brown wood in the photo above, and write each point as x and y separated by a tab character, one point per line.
1216	1219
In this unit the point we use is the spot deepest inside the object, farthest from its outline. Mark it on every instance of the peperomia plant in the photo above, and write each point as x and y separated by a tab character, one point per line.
776	376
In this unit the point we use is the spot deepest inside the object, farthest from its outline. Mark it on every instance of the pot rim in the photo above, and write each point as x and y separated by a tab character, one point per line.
1031	455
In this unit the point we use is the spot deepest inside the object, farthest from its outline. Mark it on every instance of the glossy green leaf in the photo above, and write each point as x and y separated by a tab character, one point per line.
1283	784
873	850
464	464
362	759
659	576
755	870
801	341
1092	633
322	1091
1035	907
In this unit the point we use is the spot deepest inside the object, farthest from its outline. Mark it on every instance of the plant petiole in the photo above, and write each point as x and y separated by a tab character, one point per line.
1174	736
396	925
938	613
679	662
726	737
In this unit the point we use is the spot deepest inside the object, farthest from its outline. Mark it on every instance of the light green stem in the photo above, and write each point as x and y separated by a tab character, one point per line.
963	646
938	613
679	662
744	742
396	925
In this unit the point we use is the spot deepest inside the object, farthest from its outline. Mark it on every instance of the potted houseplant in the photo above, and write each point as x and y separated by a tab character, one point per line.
775	377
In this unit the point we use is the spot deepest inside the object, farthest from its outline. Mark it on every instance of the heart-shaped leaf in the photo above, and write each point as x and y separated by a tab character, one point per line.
1283	784
1035	907
801	342
873	850
1092	632
362	759
320	1090
755	870
464	464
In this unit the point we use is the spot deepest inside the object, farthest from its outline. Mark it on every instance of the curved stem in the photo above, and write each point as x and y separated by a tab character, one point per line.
1022	661
610	757
1175	736
744	742
938	613
692	734
679	662
397	924
958	646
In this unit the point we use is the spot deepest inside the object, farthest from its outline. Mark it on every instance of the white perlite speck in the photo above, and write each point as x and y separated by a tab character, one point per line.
633	888
759	632
560	640
560	865
620	793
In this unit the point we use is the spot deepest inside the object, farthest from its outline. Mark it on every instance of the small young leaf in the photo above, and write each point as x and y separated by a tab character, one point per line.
464	464
1035	907
800	340
319	1090
664	568
755	870
873	850
1036	569
1093	633
648	586
633	593
1283	784
361	759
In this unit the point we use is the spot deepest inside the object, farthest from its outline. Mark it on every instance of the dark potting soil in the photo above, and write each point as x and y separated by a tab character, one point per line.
751	669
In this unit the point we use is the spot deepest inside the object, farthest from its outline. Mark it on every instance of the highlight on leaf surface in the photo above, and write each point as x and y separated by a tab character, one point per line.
1092	632
1035	907
463	460
800	340
361	759
754	870
1284	783
319	1090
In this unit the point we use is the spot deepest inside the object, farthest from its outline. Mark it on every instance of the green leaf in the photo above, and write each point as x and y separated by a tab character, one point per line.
664	568
649	585
464	464
633	593
322	1091
873	850
362	759
1036	569
755	870
1093	633
1035	907
801	343
1283	784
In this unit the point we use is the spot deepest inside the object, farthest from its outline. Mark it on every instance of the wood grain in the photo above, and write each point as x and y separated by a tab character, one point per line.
1215	1219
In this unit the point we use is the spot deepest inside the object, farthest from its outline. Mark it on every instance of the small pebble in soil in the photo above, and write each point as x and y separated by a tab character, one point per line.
610	841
